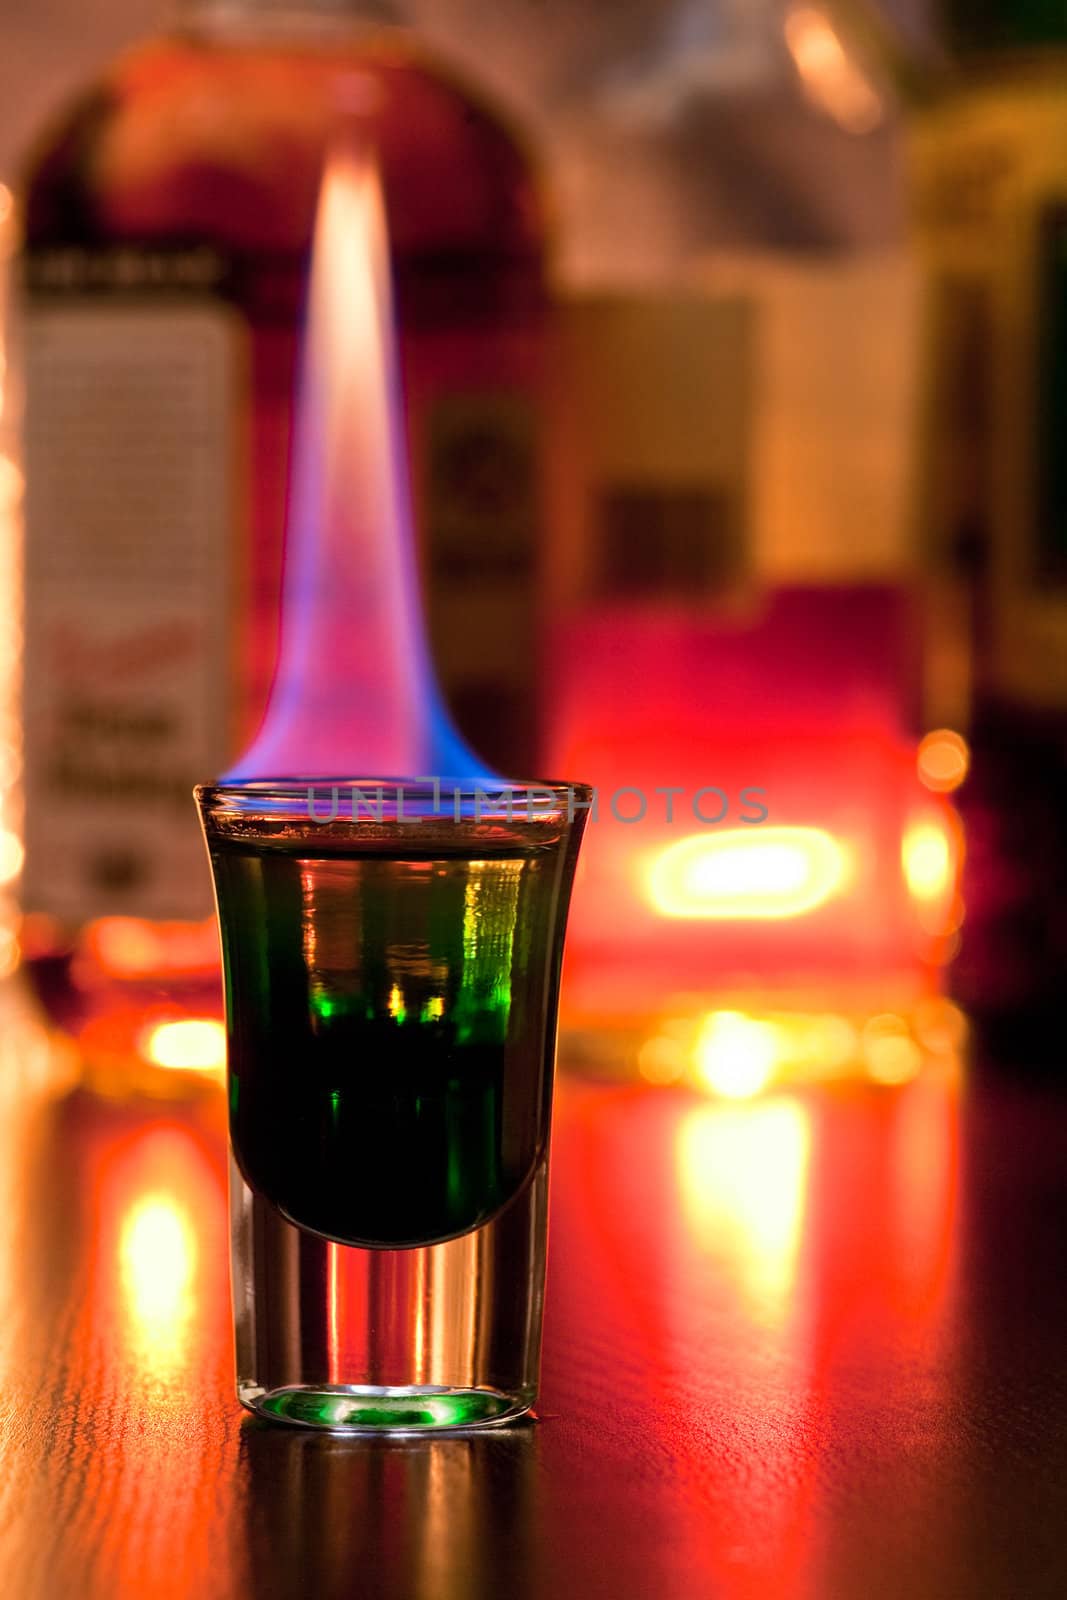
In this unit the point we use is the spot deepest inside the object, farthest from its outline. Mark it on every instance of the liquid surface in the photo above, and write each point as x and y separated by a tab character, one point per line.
390	1054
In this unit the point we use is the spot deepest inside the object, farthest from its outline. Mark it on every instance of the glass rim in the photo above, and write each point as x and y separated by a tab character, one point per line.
418	788
358	806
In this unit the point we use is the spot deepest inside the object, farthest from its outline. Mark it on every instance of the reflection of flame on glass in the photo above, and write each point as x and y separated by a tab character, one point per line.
158	1255
354	692
769	873
743	1173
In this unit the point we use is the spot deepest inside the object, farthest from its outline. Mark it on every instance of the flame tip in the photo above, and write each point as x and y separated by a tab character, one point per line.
354	669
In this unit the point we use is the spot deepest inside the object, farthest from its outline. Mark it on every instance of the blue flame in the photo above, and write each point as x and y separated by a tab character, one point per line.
354	693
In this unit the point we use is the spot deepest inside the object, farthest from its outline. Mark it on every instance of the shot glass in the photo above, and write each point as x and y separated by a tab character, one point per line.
391	955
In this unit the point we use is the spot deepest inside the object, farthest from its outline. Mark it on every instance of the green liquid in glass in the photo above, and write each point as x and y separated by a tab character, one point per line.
380	1409
389	1056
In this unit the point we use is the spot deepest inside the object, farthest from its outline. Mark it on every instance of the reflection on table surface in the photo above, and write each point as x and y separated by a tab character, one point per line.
807	1346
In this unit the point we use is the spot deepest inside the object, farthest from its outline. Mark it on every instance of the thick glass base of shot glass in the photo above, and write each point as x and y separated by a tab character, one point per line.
427	1339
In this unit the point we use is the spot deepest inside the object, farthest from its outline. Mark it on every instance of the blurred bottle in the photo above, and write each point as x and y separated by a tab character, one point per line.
991	189
733	576
167	223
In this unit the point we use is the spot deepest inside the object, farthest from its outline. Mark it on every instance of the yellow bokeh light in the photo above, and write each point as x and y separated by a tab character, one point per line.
927	857
944	759
893	1059
737	1056
773	873
193	1045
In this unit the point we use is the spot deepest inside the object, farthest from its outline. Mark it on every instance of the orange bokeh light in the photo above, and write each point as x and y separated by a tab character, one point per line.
944	760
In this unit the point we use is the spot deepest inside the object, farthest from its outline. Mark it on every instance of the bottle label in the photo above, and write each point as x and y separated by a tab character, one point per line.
132	495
